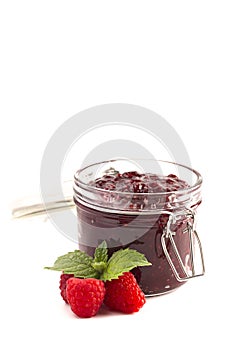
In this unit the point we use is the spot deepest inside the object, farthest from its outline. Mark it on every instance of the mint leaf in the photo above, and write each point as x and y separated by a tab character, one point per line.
82	265
100	257
77	263
122	261
99	266
101	253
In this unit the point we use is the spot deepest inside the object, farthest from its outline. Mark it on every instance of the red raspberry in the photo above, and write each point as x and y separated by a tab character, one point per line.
62	285
124	294
85	296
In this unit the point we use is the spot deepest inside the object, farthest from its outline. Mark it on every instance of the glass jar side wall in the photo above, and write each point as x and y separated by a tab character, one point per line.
142	233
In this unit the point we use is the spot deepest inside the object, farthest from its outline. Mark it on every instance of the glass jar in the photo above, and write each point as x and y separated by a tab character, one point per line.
116	202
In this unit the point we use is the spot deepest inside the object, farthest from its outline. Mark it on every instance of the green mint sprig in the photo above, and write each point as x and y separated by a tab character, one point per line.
82	265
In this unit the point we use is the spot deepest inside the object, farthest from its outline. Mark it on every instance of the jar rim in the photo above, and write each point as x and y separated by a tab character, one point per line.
89	187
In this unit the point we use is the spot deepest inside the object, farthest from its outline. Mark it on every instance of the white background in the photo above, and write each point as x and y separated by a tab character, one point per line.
60	57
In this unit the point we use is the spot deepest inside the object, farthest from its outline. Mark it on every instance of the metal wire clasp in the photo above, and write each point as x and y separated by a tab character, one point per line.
193	237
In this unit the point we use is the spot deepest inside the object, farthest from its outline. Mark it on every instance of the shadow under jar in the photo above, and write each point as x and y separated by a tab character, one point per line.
147	205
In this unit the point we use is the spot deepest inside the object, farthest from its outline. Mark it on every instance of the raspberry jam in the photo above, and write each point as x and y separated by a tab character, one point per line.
119	202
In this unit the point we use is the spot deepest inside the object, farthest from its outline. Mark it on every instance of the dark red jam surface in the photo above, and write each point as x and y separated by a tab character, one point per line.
135	191
135	182
138	231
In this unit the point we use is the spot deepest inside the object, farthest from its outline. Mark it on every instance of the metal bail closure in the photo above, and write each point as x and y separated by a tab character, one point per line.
186	272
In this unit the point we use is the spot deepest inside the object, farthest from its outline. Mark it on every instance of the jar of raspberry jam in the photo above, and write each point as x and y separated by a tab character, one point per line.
147	205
